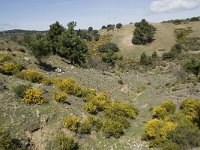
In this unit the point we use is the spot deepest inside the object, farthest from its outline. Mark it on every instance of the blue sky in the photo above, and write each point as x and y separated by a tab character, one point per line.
39	14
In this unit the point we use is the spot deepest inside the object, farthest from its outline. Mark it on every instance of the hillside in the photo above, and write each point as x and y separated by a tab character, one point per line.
35	126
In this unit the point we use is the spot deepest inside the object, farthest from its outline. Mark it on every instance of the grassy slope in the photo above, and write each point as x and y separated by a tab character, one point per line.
144	90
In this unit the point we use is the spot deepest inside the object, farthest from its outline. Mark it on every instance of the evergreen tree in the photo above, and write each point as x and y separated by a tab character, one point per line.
144	33
71	46
53	34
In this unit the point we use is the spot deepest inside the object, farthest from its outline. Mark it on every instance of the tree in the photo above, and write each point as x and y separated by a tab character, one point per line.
144	33
90	29
119	25
71	46
108	47
40	47
193	66
103	27
53	34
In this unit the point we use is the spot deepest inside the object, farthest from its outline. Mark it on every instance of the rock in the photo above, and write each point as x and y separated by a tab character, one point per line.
26	58
58	70
125	89
2	86
38	113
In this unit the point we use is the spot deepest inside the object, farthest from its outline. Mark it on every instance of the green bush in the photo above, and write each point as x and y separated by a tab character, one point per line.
19	90
193	66
10	68
63	142
145	60
186	135
174	52
108	46
34	96
72	123
119	26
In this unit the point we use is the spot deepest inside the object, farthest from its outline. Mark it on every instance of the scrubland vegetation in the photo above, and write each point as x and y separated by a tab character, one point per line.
68	89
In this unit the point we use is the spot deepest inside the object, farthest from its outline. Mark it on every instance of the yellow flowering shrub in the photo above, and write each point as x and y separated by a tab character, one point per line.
165	108
86	126
90	107
112	128
34	76
34	96
60	97
156	131
124	109
5	57
10	68
72	123
191	108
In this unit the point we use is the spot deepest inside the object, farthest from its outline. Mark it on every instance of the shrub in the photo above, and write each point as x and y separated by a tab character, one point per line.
95	122
112	128
108	46
60	97
34	76
157	130
191	108
34	96
20	90
144	33
10	68
186	135
4	58
122	109
145	60
62	142
174	52
111	57
72	123
165	108
98	102
85	127
193	66
90	107
118	26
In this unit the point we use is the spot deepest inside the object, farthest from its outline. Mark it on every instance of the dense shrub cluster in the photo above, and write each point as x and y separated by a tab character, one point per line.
34	76
144	33
174	130
111	57
60	97
10	68
148	60
34	96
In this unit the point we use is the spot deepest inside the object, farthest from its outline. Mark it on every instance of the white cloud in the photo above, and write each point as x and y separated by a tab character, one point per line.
162	6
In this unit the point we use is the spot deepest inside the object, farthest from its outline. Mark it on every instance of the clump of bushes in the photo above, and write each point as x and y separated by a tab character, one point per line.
19	90
60	97
72	123
104	48
34	76
179	130
119	26
4	58
193	66
34	96
10	68
86	126
111	57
